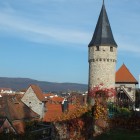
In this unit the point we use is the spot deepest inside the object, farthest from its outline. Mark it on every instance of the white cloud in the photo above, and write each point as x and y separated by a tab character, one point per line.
134	50
34	31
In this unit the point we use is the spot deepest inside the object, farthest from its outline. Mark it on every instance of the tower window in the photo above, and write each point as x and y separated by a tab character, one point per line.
97	48
111	49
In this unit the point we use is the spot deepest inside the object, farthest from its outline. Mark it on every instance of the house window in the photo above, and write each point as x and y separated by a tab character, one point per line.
111	49
40	103
97	48
6	130
29	102
129	89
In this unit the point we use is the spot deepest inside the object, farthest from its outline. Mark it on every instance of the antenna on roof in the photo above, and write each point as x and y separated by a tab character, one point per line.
139	81
103	2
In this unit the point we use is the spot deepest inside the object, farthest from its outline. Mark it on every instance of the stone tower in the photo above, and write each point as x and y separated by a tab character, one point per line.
102	53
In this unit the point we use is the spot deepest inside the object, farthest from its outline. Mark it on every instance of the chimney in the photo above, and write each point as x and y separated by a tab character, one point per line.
85	99
64	105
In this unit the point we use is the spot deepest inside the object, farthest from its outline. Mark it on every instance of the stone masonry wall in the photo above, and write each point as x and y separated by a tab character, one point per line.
102	66
31	100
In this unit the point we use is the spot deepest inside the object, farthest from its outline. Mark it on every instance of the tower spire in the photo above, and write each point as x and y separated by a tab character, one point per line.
103	34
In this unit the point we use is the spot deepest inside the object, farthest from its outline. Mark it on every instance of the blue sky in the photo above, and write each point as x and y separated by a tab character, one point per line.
47	39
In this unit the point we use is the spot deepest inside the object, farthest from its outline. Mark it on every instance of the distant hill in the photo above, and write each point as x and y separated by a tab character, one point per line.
23	83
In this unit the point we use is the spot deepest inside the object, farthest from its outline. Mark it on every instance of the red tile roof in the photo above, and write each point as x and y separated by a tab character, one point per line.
19	126
55	110
14	109
123	75
38	92
57	99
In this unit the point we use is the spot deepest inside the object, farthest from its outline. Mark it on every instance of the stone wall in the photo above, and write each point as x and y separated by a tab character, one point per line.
102	66
31	100
63	131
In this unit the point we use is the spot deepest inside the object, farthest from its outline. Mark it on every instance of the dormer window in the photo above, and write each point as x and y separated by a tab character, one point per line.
97	48
111	49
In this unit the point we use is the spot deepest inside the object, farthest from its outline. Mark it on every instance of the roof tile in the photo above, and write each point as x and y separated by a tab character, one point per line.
103	34
14	109
19	126
38	92
123	75
55	110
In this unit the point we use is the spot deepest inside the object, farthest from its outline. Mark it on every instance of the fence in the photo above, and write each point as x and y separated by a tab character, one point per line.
42	133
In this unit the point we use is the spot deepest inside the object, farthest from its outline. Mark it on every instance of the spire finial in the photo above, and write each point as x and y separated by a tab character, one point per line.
103	2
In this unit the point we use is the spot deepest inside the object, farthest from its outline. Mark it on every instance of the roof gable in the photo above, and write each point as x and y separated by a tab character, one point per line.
2	120
38	92
123	75
125	92
5	123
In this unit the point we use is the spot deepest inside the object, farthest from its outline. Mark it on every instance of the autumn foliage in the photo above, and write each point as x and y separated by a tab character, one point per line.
76	123
101	96
101	91
79	123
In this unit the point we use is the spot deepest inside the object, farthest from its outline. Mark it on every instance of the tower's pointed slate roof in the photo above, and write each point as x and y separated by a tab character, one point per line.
103	34
123	75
